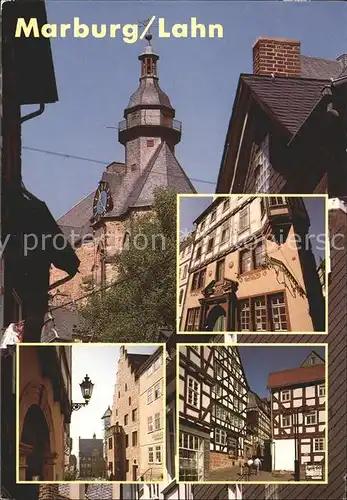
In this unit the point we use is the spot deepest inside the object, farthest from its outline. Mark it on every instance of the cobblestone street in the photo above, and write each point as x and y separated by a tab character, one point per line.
233	474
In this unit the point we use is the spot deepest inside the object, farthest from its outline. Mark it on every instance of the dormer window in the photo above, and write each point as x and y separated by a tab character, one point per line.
260	159
277	201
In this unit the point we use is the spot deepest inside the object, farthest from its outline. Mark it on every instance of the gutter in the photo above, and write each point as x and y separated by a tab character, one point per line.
34	114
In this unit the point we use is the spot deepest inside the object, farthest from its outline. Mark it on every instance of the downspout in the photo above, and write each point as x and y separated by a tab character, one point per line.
34	114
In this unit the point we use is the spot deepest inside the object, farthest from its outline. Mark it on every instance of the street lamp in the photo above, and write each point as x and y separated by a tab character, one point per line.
87	390
295	425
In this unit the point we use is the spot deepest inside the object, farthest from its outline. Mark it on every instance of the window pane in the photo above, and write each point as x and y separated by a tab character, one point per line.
278	312
259	306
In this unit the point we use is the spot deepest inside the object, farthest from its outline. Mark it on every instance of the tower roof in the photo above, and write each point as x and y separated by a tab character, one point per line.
149	91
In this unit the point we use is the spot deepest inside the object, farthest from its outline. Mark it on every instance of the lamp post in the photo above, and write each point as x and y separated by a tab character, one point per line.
295	425
87	390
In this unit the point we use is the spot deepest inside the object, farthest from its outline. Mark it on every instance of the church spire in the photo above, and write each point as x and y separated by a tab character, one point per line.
149	116
148	60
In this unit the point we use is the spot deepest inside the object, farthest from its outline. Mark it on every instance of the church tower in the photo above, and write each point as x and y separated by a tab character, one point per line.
149	116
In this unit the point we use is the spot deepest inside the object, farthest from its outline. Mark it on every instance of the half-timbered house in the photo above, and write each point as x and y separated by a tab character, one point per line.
307	136
252	269
299	415
259	428
229	405
212	391
196	380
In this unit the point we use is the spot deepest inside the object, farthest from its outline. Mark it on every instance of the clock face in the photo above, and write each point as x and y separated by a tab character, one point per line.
102	200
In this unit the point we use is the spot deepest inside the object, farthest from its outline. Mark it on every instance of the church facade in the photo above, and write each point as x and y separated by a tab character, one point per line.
96	226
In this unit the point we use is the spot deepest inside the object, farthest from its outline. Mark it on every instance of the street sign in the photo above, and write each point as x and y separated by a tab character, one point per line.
314	471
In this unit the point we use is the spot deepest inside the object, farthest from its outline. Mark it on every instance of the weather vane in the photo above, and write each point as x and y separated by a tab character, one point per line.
147	24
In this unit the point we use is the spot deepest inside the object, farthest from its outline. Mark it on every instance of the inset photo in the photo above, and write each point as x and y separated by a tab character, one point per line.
91	413
252	413
252	264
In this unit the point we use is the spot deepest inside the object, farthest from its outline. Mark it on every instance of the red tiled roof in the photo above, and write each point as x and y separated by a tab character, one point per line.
296	376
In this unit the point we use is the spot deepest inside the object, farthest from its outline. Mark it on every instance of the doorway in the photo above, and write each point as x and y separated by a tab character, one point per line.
216	320
135	471
35	435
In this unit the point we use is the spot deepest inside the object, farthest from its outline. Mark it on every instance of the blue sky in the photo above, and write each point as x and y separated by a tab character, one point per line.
95	78
192	207
100	364
258	362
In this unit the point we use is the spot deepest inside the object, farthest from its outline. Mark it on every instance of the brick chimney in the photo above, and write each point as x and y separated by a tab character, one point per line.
277	56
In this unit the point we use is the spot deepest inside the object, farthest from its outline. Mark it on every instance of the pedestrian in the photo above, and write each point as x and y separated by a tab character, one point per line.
257	463
242	466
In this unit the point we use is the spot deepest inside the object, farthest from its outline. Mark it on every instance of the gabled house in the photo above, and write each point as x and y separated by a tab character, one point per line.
298	411
251	270
307	155
286	131
212	410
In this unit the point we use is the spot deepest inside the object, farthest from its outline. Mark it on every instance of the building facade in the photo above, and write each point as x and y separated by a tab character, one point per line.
100	224
125	417
316	147
151	432
212	413
252	269
259	428
44	411
186	251
27	78
91	458
298	406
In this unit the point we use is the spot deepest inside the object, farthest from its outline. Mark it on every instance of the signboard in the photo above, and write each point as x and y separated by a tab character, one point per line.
158	436
314	471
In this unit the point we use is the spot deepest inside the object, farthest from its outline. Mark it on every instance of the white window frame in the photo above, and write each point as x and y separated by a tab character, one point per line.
193	392
150	427
285	391
220	436
312	414
150	451
150	395
317	441
157	390
158	363
242	212
158	449
290	421
321	390
157	419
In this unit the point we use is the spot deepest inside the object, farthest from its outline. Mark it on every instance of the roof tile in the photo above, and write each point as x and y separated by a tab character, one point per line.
296	376
287	100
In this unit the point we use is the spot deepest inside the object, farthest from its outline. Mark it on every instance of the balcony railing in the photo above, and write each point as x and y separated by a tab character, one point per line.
174	124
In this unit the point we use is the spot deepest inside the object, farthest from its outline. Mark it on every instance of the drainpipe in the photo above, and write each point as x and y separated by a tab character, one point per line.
34	114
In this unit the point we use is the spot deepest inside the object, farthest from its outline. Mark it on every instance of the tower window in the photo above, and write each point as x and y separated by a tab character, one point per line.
150	143
149	66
